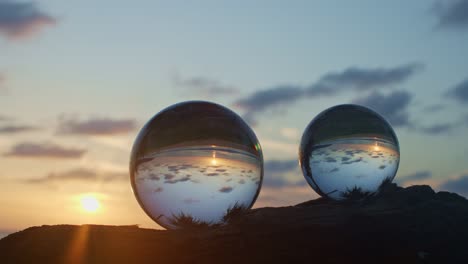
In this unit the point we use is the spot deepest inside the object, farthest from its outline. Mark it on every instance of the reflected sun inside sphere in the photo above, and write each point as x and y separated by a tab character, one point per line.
90	204
213	160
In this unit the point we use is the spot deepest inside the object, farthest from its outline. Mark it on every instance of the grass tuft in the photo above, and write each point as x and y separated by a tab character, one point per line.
356	195
234	213
188	222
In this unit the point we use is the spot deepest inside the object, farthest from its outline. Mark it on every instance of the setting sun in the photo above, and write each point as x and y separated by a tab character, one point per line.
90	204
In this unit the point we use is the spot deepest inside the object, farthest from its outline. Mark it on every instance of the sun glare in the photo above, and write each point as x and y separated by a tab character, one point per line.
90	204
376	147
213	160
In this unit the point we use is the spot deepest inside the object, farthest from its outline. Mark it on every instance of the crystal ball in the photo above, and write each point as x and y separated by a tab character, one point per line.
193	163
348	151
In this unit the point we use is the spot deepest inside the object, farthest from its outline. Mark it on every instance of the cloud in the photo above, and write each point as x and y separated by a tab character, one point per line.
284	196
438	129
78	174
20	20
12	129
4	118
225	189
360	79
169	176
170	180
204	86
393	106
44	150
190	200
265	99
290	133
459	92
351	79
280	166
452	14
433	108
2	81
97	126
458	185
276	172
416	176
72	175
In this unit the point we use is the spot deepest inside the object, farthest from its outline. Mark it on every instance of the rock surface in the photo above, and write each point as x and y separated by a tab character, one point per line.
400	225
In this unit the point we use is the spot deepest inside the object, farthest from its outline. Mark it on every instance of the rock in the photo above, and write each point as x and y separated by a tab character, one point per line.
400	225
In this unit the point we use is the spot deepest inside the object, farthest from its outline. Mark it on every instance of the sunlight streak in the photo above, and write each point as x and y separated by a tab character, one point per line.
77	251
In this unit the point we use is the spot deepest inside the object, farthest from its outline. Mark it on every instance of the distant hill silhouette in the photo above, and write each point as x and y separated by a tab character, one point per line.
401	225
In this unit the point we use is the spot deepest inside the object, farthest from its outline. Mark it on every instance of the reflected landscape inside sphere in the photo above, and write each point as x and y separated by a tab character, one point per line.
348	149
197	160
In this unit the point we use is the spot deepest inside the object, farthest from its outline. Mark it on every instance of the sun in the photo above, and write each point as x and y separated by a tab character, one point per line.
90	204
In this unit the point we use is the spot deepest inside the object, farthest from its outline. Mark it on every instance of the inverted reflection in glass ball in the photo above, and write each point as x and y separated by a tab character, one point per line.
348	150
194	161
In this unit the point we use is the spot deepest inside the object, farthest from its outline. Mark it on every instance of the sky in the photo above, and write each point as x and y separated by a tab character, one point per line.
78	79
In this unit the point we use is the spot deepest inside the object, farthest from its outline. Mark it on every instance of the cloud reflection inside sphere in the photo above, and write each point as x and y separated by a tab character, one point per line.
348	149
195	160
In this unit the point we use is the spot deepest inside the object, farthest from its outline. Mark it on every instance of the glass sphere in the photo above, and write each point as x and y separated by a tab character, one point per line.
348	150
194	161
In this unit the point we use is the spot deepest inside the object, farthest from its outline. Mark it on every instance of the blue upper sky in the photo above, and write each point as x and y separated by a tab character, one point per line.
79	78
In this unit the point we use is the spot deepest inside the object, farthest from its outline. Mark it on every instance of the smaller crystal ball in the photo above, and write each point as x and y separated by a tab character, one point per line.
348	150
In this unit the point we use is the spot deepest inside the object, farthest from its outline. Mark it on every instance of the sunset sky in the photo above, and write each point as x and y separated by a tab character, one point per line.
78	79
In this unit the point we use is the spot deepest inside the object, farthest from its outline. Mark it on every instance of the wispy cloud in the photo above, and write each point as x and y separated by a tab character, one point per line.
78	174
459	92
416	176
261	100
204	86
2	81
96	126
190	200
280	166
452	14
22	19
458	185
276	174
44	150
351	79
438	129
290	133
433	108
4	118
13	129
225	189
393	106
362	79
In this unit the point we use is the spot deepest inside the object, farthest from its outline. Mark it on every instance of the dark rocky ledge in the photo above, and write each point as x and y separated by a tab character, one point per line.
401	225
